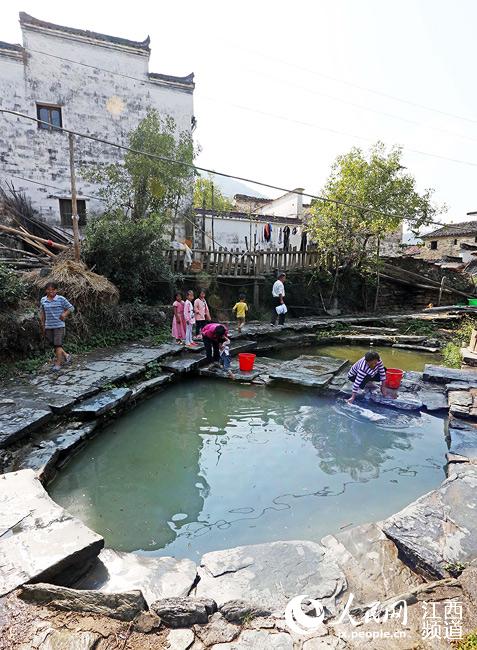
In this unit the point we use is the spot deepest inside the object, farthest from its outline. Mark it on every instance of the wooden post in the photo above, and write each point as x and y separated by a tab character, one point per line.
256	294
441	290
74	203
213	234
203	224
376	298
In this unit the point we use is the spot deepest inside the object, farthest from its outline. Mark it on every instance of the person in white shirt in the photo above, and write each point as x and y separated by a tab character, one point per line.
278	298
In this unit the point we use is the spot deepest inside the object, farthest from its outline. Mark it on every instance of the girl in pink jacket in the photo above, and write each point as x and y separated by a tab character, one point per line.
201	311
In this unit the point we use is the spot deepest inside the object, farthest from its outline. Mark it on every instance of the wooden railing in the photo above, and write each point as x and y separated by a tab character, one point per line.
239	263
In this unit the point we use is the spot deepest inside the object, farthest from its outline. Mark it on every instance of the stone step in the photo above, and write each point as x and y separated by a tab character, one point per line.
16	423
102	403
443	375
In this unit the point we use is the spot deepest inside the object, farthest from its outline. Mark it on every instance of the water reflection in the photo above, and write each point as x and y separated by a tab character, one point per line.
209	465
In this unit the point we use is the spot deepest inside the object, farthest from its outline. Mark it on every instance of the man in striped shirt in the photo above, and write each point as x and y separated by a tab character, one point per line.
368	368
54	311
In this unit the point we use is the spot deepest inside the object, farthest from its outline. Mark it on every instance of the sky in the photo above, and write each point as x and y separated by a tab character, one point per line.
283	88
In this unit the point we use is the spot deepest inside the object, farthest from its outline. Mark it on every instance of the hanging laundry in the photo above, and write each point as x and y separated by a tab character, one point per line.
303	242
280	237
267	231
294	231
286	238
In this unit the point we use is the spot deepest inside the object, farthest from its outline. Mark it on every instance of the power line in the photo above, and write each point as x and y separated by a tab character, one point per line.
338	132
352	84
205	169
310	90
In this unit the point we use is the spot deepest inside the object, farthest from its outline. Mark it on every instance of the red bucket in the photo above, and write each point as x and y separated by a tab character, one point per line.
394	377
246	361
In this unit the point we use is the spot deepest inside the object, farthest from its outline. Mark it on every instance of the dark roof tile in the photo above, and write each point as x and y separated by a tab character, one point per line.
186	81
453	230
15	47
26	19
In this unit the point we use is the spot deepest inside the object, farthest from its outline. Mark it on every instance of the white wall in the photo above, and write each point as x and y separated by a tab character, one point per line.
93	102
289	205
230	233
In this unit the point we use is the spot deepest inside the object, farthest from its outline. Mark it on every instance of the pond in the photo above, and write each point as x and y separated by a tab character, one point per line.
392	357
209	465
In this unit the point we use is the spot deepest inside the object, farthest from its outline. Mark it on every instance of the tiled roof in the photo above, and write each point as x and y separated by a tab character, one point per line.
264	218
453	230
254	199
26	19
168	78
15	47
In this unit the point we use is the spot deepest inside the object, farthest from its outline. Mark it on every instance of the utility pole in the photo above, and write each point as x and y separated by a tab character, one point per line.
74	203
203	223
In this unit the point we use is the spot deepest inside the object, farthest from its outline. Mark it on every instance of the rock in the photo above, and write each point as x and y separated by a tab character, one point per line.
459	398
442	375
403	402
235	611
68	640
180	639
185	363
218	630
463	443
417	348
101	404
268	575
156	577
439	529
258	640
433	400
468	581
370	563
304	378
38	539
324	643
16	423
146	622
123	606
184	612
150	384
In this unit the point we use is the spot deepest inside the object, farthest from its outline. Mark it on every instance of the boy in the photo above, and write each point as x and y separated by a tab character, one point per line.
368	369
240	309
54	310
224	350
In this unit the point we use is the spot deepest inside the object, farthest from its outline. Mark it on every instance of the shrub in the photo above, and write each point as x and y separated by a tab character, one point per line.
130	252
460	338
12	287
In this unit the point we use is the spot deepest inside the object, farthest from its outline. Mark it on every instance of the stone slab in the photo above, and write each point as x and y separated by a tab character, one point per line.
433	400
463	443
439	529
102	403
15	424
268	575
304	378
155	577
124	606
39	540
184	363
140	354
443	375
150	384
370	563
258	640
417	348
402	402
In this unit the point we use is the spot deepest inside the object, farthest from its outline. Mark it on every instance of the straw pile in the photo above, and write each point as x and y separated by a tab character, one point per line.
76	282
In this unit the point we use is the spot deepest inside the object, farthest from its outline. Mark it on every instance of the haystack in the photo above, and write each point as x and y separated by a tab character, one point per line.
76	282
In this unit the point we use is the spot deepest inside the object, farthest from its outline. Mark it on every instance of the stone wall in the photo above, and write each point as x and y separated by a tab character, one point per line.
445	246
92	101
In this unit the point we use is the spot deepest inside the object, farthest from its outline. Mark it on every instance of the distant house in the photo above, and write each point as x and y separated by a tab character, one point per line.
451	241
84	81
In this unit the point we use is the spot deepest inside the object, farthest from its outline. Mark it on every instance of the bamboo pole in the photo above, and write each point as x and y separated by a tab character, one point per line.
74	203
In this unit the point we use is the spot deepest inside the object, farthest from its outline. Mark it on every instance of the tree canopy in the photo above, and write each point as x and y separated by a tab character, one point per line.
204	189
143	185
384	195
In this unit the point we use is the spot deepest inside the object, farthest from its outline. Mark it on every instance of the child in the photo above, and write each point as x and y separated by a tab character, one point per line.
224	350
189	319
201	311
368	369
240	309
54	311
214	336
178	322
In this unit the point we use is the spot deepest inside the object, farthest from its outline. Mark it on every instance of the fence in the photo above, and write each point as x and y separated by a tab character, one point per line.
230	263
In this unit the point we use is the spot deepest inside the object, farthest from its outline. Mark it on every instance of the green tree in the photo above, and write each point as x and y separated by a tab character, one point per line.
385	195
204	189
142	185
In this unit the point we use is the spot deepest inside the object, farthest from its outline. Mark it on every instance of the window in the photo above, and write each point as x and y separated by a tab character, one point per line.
433	245
49	114
455	242
66	211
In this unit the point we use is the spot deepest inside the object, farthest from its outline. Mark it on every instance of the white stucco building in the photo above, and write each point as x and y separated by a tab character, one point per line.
81	80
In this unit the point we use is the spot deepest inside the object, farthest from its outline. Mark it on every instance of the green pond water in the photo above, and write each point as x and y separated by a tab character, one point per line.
207	465
392	357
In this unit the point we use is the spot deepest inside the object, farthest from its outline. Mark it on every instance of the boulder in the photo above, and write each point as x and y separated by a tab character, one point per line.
39	540
179	640
65	639
156	577
439	530
184	612
123	606
218	630
268	575
102	403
